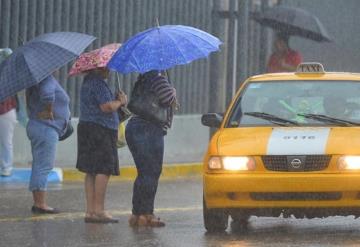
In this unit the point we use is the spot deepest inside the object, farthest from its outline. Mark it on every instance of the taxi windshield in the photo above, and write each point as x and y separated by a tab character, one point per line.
294	103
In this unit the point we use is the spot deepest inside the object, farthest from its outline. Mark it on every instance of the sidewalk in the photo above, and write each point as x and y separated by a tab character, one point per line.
22	175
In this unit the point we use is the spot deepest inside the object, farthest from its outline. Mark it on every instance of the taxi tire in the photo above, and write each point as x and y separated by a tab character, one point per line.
215	220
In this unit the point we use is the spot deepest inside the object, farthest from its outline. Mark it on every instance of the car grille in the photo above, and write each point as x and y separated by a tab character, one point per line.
280	162
296	196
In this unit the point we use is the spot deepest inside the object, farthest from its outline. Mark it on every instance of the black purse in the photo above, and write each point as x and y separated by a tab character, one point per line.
69	130
144	103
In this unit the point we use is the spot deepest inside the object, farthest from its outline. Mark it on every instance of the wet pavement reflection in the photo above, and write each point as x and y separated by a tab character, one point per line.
178	204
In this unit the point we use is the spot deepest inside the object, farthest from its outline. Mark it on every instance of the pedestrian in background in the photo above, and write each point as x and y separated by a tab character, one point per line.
7	126
284	59
145	139
49	114
97	136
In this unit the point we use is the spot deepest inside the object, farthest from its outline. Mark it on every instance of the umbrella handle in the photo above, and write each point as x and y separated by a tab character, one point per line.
124	108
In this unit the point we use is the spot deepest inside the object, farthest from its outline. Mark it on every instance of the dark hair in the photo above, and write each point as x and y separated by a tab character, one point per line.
284	37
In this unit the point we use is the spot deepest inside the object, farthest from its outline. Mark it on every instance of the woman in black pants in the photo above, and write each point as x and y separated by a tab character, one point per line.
145	140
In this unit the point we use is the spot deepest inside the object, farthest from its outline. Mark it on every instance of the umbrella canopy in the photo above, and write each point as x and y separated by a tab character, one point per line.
94	59
293	21
163	47
38	58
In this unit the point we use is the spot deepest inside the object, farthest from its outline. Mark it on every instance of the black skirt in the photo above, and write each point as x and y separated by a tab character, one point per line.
97	151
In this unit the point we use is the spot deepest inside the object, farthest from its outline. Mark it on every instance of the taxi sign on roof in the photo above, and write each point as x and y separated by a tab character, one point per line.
310	68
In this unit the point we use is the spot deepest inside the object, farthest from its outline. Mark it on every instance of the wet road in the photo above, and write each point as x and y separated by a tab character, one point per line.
178	203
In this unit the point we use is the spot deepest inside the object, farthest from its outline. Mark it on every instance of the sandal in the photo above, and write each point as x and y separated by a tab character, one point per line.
89	218
149	220
37	210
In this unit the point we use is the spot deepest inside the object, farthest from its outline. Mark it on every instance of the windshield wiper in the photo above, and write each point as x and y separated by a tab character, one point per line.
324	118
272	118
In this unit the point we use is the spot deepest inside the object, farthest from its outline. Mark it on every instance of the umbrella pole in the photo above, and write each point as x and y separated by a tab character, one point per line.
117	82
125	110
157	22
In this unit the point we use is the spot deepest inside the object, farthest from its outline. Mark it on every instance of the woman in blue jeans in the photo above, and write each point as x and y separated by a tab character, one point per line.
145	140
49	114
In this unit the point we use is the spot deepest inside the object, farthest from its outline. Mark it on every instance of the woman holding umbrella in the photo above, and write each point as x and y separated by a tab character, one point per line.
97	136
289	21
149	52
145	139
31	67
97	130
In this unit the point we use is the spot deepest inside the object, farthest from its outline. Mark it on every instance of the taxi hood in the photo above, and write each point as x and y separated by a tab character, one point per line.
289	141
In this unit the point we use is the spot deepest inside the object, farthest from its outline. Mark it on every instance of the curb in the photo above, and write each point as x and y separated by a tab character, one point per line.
129	173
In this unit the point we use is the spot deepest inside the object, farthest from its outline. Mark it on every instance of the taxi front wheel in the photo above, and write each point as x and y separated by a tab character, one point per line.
215	220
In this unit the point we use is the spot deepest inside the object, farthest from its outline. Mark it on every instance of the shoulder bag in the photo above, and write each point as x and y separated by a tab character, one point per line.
144	103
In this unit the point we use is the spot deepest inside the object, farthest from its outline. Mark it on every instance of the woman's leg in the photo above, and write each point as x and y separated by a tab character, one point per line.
43	146
101	182
39	198
7	125
146	143
90	194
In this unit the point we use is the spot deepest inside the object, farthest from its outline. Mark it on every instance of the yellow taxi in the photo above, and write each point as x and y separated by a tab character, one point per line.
289	144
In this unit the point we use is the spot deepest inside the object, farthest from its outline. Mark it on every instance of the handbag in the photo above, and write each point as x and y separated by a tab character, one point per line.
68	131
144	103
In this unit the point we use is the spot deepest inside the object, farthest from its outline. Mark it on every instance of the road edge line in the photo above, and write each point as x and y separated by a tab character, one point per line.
172	171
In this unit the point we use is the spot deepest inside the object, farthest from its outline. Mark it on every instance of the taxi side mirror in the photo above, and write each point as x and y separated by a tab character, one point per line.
212	119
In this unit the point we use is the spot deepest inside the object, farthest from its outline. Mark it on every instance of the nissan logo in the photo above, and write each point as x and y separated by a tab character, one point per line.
295	163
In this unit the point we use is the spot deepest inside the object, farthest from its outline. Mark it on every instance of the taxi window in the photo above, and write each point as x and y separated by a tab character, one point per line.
337	99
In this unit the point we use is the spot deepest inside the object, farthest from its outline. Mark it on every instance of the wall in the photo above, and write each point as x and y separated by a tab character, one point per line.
111	21
185	142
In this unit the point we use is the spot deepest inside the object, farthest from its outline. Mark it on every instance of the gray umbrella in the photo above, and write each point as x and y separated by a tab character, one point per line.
38	58
293	21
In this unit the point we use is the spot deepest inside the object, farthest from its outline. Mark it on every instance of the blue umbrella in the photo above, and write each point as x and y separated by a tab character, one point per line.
38	58
163	47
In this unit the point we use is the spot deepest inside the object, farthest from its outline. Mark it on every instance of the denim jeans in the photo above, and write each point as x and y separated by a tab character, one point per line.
43	140
146	143
7	125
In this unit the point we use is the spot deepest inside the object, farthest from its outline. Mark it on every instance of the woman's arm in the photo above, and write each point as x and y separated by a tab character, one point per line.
114	105
164	91
47	89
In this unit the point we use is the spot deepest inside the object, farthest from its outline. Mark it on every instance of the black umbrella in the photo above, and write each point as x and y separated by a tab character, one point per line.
293	21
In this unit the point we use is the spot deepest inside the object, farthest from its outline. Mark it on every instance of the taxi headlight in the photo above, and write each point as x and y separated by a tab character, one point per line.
232	163
349	162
